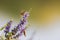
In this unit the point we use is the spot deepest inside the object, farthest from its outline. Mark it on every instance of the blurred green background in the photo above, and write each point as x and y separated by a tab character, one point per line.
42	10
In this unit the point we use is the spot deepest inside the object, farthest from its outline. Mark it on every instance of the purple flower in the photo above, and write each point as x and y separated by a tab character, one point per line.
7	28
20	27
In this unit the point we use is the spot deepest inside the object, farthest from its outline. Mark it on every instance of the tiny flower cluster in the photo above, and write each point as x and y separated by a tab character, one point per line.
19	29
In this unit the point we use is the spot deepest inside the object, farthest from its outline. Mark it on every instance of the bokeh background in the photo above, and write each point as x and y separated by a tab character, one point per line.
44	18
